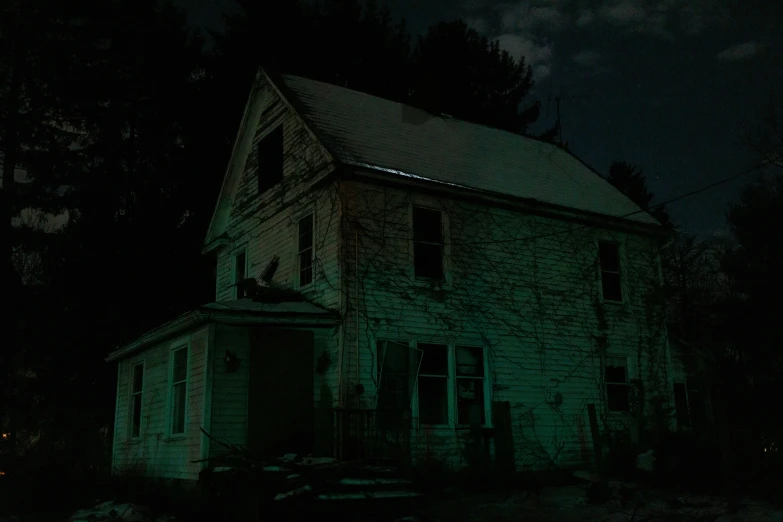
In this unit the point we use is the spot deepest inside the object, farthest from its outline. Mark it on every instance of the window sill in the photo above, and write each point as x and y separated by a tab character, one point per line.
612	302
135	440
435	427
175	438
428	283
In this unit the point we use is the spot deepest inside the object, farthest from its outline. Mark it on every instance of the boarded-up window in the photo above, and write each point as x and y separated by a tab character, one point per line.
433	384
270	159
179	385
470	385
427	243
617	384
240	272
305	250
681	405
137	389
609	258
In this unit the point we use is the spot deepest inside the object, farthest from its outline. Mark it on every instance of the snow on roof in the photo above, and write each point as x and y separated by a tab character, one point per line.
364	130
249	306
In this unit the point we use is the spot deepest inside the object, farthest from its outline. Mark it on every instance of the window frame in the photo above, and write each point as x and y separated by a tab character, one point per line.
427	203
440	244
263	188
183	344
452	416
234	255
619	272
132	397
298	218
604	363
482	378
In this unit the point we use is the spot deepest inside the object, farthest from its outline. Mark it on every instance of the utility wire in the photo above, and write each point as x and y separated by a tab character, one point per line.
745	172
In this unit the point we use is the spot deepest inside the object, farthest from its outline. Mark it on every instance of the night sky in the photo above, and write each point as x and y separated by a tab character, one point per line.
667	85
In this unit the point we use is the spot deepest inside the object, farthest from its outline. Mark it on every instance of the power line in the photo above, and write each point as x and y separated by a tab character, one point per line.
672	200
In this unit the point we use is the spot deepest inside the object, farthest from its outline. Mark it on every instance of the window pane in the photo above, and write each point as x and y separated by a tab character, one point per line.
609	256
239	273
306	233
428	260
610	283
434	359
138	377
615	371
617	397
178	410
270	159
470	361
427	225
305	267
394	357
433	402
681	405
136	421
470	401
180	365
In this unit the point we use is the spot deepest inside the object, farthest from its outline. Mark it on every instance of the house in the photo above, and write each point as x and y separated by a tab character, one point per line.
426	287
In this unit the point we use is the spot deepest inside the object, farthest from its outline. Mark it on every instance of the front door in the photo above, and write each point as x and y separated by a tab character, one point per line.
280	398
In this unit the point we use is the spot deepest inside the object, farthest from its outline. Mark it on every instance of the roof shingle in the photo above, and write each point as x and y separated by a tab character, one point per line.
362	129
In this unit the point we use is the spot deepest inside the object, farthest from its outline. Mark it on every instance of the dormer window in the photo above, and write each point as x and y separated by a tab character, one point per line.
270	159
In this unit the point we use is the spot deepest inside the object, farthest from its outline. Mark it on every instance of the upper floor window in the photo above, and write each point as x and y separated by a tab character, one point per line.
609	259
427	243
239	273
270	159
137	390
305	250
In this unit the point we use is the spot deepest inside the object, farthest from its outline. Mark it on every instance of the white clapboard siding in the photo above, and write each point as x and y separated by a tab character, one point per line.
155	454
536	302
230	389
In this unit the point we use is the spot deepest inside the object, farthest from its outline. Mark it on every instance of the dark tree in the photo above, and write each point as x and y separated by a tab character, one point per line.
463	74
629	179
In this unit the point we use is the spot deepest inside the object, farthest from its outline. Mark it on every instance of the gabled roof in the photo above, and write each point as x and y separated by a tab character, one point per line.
359	129
365	130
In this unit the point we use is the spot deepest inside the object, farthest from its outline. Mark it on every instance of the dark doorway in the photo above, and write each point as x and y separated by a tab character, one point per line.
280	401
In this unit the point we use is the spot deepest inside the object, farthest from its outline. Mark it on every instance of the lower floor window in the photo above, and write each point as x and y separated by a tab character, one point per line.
445	383
617	384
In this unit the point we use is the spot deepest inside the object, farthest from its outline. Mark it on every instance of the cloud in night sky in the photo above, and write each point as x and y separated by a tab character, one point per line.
738	52
586	58
537	53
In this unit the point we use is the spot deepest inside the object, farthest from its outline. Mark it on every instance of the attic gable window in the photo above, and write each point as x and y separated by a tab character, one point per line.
427	243
270	159
609	259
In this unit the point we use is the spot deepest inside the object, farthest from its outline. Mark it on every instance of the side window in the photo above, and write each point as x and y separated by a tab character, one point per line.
609	259
239	273
179	387
617	384
270	159
427	243
432	384
137	392
304	257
